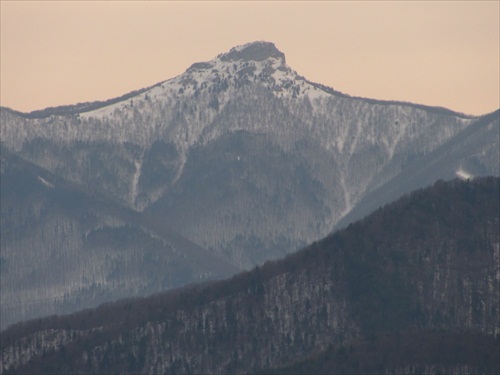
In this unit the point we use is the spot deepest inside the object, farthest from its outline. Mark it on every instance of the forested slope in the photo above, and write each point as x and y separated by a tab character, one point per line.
424	269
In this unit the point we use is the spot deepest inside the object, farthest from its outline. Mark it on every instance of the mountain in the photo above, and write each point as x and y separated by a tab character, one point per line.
477	148
412	288
65	248
243	156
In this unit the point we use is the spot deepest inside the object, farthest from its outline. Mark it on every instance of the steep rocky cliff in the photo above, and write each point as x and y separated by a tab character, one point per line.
425	267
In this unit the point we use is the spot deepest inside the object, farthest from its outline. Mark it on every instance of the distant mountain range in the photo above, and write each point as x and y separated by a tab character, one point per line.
412	288
237	161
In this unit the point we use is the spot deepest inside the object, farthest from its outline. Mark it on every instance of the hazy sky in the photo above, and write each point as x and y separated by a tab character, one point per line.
435	53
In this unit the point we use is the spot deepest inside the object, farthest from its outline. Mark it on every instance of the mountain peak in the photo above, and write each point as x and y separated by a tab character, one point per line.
254	51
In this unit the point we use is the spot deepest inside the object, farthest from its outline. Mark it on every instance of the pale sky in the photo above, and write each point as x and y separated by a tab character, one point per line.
427	52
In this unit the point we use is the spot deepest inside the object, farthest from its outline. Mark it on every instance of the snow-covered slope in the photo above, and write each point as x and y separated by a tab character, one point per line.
244	156
197	96
253	62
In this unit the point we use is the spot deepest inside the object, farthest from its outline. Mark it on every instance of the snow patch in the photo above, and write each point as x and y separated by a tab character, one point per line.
463	175
45	182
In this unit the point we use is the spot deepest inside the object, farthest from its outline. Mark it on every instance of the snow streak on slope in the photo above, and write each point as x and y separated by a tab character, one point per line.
135	180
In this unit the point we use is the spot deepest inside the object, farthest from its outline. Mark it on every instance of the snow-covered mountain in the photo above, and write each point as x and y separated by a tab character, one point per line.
247	158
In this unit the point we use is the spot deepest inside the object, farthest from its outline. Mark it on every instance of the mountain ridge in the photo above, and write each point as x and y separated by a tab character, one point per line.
416	172
263	49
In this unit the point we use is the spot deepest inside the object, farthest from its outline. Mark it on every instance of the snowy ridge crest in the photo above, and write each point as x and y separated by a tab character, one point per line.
183	109
258	63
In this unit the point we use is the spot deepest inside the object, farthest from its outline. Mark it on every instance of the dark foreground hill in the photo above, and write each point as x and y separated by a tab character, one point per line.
412	288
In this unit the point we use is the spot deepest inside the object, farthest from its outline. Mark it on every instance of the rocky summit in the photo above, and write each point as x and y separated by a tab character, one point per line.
256	51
